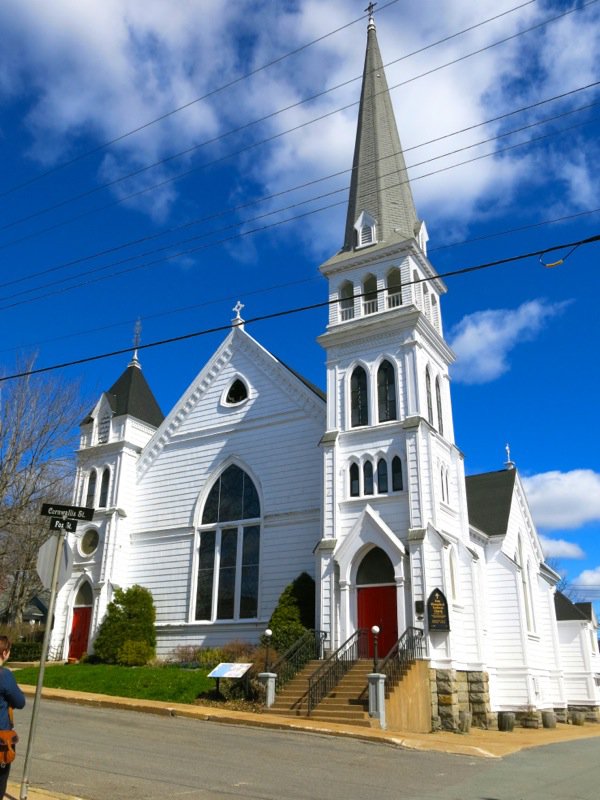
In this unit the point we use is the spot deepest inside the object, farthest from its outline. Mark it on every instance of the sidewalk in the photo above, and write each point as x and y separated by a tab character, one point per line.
477	743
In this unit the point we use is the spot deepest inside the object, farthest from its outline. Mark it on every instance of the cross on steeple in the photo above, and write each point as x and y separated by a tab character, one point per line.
237	321
370	9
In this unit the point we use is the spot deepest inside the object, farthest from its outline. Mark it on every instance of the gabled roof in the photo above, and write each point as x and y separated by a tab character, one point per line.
379	183
566	610
586	609
131	394
489	499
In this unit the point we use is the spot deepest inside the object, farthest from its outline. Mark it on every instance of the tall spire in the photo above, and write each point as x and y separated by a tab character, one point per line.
379	185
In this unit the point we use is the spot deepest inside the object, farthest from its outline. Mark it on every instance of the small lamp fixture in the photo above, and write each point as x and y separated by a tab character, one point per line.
268	634
375	631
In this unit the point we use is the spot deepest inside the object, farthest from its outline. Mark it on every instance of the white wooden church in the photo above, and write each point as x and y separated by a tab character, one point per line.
256	476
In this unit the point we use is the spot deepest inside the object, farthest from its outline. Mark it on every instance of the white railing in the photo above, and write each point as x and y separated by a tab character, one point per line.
394	300
347	313
370	306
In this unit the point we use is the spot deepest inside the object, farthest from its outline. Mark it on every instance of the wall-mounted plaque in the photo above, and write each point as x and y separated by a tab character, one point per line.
437	611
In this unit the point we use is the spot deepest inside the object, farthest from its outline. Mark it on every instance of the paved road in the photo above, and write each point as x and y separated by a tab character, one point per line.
101	753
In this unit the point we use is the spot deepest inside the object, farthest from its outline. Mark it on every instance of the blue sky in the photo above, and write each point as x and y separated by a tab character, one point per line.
74	76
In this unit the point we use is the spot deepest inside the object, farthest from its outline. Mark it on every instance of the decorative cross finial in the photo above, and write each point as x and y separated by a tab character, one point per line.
370	9
508	463
137	338
237	321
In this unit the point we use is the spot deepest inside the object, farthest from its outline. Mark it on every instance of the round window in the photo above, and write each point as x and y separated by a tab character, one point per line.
89	542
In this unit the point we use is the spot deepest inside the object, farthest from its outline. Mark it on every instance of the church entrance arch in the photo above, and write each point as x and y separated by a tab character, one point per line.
376	599
82	617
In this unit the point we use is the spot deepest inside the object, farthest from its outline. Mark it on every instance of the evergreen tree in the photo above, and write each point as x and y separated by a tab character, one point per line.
129	619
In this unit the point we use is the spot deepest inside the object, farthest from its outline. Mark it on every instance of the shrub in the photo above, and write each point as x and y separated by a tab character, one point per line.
294	613
135	654
26	651
129	618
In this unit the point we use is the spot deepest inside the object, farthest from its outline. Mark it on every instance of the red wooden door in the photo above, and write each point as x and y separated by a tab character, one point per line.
80	631
377	606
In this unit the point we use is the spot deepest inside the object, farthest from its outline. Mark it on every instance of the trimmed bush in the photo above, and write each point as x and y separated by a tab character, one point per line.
135	654
294	613
26	651
129	618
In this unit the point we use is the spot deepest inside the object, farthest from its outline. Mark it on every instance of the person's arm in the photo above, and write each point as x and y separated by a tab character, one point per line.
12	694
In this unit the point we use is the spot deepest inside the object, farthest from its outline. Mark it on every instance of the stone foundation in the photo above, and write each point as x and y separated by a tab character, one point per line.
592	713
453	691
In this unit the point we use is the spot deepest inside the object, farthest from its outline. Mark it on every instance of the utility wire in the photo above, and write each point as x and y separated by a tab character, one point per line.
276	287
297	310
228	85
261	229
305	185
211	93
251	146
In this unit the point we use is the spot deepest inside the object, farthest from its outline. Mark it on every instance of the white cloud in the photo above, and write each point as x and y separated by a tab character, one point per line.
560	548
483	340
100	68
560	500
589	577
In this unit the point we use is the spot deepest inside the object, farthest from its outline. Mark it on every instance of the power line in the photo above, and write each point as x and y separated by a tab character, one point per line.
297	310
261	229
211	93
305	185
248	147
228	85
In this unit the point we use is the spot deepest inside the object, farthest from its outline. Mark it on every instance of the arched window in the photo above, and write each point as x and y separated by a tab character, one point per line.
91	489
454	584
370	294
354	481
382	476
104	488
84	596
359	397
438	398
229	552
237	393
375	568
386	392
368	478
104	429
397	485
347	300
394	288
429	400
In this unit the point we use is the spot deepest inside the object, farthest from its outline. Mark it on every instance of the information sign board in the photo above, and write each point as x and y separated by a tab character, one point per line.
437	612
225	670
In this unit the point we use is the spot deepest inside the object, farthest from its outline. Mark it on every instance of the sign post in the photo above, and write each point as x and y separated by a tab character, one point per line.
68	516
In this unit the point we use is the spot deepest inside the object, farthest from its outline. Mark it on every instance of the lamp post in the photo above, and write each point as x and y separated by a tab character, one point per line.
268	634
375	632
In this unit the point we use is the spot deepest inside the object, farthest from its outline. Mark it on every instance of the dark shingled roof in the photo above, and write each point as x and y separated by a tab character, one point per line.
565	609
130	394
489	498
586	609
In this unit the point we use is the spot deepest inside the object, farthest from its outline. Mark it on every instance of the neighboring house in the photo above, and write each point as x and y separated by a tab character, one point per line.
580	657
254	477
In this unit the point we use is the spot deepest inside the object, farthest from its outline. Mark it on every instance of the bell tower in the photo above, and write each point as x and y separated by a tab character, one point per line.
391	468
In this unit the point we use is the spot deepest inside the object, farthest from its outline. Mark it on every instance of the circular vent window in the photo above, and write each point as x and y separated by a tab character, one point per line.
89	542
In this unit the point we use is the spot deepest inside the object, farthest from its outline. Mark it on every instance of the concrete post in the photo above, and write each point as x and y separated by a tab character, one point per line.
377	697
268	680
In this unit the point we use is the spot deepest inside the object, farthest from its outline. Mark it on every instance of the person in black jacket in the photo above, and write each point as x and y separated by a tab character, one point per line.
10	697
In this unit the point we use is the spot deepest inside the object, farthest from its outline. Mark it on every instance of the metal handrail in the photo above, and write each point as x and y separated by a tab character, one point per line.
330	673
304	649
407	649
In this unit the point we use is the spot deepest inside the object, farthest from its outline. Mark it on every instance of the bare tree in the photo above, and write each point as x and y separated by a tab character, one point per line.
38	429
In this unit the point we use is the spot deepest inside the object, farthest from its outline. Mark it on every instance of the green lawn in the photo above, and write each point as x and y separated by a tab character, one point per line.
173	684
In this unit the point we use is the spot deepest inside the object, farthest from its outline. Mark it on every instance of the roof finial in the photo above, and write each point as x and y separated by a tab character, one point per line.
137	338
237	321
370	9
508	463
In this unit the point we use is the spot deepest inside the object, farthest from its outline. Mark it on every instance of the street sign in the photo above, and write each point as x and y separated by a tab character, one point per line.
69	512
57	524
45	563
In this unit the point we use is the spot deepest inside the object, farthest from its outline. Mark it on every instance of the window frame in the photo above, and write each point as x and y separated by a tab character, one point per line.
359	398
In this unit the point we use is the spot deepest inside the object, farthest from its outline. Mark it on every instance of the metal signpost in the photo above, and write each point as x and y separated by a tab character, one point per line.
63	519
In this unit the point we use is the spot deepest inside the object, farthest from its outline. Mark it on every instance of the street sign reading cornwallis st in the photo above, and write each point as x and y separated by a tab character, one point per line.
67	512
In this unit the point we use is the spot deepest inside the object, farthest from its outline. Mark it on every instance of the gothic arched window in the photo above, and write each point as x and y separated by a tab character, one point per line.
397	484
438	398
359	398
386	392
368	478
354	481
91	489
104	488
227	586
429	400
237	392
382	476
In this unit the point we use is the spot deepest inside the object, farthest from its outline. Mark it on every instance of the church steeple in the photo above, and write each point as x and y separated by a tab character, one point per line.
380	195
